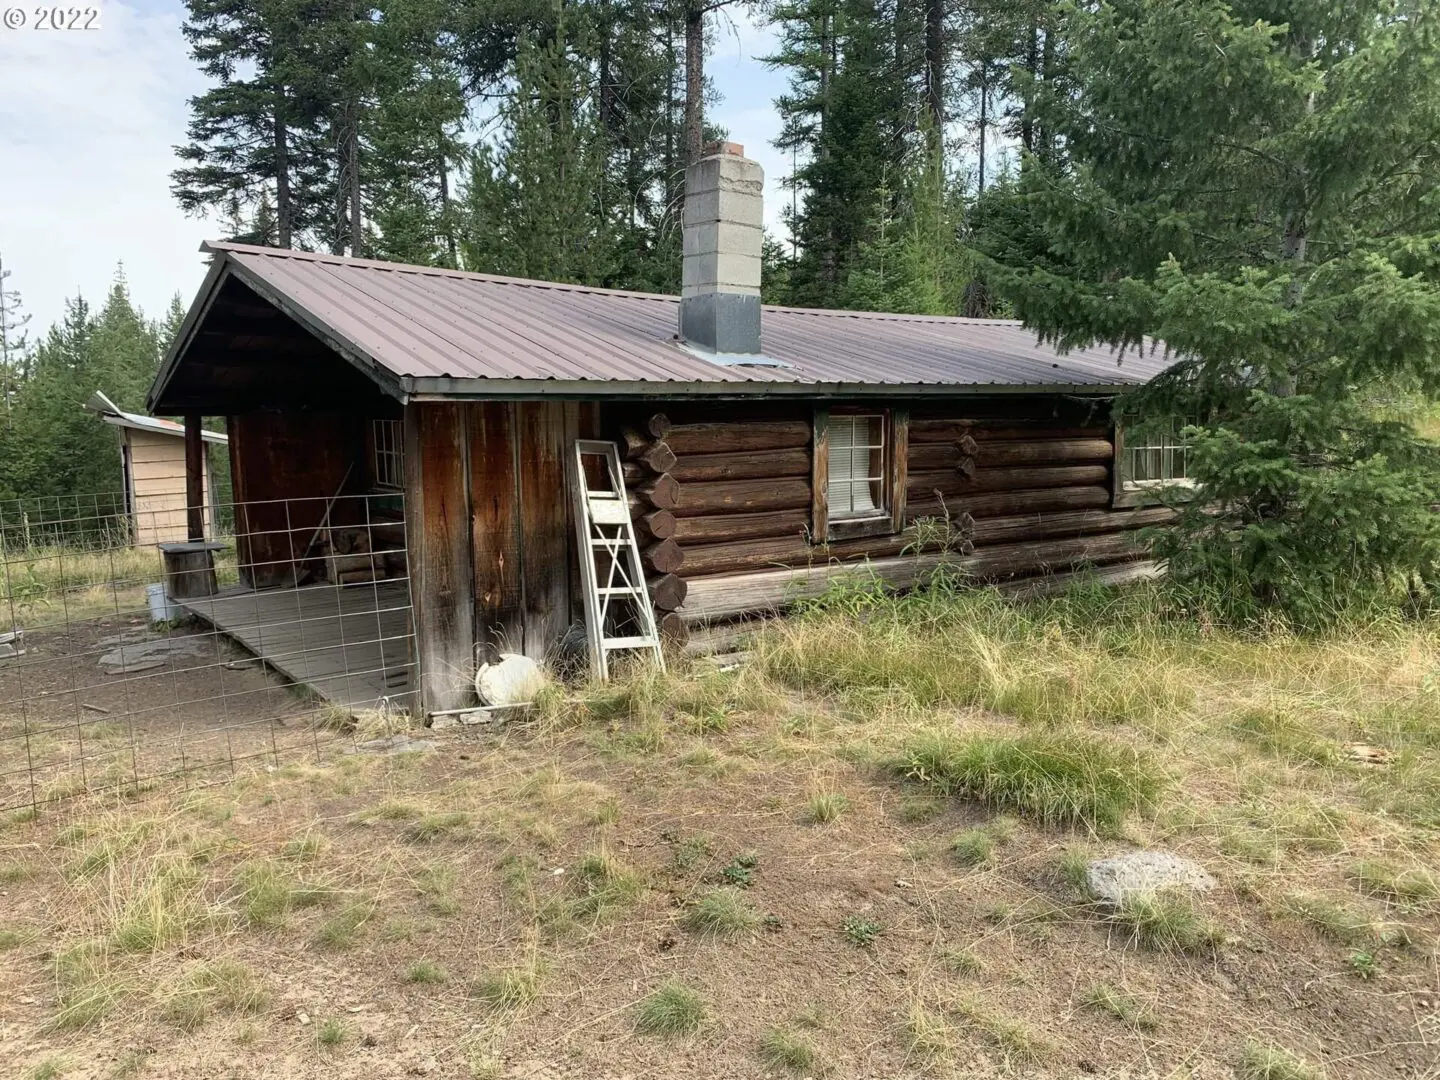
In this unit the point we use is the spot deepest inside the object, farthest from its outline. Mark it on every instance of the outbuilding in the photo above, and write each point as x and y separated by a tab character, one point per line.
152	462
767	450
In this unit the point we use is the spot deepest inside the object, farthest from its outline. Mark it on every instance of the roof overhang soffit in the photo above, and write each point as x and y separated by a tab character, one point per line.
224	268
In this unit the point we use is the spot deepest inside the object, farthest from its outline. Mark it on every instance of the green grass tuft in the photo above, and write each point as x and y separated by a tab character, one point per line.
1402	885
331	1033
1070	780
783	1049
674	1009
1261	1061
509	988
1285	736
1327	917
1106	998
962	962
1015	1039
433	827
1166	922
425	973
722	912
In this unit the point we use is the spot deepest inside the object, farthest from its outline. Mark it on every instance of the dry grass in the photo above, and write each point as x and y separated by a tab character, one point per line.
688	832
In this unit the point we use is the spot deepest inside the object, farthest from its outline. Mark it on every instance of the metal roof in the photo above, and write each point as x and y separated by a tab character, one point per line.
449	333
112	414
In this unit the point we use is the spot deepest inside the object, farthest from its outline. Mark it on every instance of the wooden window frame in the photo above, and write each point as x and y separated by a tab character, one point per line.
1127	493
393	452
895	440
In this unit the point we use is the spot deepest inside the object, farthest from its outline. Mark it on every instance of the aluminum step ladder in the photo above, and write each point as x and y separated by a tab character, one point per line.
610	570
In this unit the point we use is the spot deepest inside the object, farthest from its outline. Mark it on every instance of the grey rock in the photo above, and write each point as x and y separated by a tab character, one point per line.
392	744
149	655
1112	881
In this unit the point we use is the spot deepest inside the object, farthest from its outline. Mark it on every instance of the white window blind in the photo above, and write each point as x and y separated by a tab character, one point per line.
857	455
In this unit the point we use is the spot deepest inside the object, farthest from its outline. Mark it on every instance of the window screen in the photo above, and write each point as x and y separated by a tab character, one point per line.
856	466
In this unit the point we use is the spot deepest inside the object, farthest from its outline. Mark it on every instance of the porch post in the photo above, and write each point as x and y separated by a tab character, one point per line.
194	478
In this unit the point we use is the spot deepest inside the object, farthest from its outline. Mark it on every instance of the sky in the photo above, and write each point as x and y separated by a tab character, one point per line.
88	125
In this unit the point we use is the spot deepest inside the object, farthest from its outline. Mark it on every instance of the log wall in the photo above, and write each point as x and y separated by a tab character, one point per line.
724	494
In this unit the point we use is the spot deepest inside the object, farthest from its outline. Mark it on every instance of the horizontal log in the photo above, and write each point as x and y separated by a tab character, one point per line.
719	438
726	558
1000	503
661	493
656	524
726	596
1003	530
667	592
663	556
796	551
948	482
934	456
767	523
1054	584
951	430
657	425
1044	452
741	496
742	465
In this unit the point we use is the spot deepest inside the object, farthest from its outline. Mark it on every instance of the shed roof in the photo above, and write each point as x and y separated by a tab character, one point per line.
112	414
432	332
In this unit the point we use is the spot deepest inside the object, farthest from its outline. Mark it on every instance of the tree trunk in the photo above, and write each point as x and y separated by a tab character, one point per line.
352	153
1032	60
284	210
694	80
984	116
935	68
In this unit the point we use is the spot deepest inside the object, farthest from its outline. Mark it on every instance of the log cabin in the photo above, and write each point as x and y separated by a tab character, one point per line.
767	450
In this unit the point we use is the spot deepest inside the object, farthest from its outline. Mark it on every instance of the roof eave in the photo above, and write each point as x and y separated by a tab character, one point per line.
431	388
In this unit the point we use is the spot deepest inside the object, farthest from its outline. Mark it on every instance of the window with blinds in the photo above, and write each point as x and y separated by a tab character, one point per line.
856	466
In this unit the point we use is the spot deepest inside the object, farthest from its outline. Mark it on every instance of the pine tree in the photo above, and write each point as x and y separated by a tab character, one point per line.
14	342
252	135
530	207
1253	184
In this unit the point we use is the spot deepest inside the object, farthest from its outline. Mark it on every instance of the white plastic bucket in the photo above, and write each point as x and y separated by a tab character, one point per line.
161	609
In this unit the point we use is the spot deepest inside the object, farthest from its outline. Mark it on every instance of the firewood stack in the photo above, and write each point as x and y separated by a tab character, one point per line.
654	494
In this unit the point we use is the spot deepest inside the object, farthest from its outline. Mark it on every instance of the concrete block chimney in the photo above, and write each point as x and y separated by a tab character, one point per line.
720	293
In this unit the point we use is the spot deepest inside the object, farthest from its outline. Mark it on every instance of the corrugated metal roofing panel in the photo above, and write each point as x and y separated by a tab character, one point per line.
425	323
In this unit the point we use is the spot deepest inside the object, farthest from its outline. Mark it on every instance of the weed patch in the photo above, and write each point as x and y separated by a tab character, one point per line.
1076	780
1103	997
782	1049
509	988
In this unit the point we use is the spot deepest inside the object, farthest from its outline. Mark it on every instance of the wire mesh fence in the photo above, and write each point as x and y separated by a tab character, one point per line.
123	664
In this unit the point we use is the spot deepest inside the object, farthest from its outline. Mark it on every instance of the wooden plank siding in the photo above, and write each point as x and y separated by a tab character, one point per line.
490	535
156	481
285	467
442	565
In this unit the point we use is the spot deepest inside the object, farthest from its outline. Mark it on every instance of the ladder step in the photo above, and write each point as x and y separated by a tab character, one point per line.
619	590
631	643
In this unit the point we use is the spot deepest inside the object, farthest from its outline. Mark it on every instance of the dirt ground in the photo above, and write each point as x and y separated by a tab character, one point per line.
68	723
443	867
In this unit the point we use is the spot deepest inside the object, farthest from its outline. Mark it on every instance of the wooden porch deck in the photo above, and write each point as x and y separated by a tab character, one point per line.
351	644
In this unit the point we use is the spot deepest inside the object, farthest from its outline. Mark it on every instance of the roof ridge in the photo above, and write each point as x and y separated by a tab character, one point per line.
218	246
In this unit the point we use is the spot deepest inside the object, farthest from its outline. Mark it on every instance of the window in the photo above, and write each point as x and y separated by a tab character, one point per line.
1150	456
858	484
389	454
857	466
